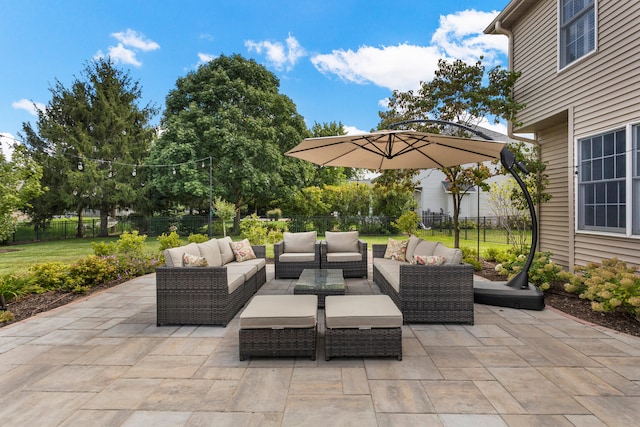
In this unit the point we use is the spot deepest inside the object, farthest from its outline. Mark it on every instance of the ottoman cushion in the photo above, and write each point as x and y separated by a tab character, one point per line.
280	312
362	312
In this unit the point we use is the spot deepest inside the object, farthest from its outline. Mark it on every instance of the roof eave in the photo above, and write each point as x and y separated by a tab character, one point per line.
510	14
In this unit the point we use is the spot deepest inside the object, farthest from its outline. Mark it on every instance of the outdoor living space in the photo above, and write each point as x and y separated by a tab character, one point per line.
103	361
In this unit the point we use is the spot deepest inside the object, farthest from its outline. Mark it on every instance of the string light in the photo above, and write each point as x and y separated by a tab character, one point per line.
80	166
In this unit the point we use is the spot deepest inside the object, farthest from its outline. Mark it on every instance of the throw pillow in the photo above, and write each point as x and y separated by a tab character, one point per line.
429	260
243	250
189	260
396	250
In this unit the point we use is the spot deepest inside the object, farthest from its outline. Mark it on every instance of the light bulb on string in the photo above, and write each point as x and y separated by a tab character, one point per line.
134	173
174	171
80	166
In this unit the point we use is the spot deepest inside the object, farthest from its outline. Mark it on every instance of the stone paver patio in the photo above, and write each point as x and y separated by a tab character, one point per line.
103	361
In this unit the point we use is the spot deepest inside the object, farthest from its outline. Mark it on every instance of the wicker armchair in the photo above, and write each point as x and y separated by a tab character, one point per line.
200	295
296	252
429	294
343	250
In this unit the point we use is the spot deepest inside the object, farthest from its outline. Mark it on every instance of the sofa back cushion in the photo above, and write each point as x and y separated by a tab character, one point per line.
424	248
452	256
211	251
225	250
341	241
411	246
303	242
173	256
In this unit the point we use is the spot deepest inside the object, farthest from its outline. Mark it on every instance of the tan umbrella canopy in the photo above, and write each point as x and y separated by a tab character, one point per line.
396	149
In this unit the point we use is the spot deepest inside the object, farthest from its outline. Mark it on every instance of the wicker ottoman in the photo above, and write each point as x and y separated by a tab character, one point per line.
362	326
279	325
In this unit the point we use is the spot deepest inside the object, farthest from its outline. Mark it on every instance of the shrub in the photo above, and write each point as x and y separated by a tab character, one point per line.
131	244
104	248
92	271
172	240
274	214
48	276
197	238
407	222
252	228
542	273
11	287
492	254
610	286
470	256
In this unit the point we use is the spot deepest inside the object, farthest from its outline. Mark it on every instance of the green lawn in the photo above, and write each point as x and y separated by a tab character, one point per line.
15	258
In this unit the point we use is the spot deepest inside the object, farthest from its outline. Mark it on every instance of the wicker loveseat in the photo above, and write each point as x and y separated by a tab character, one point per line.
345	251
296	252
426	293
209	295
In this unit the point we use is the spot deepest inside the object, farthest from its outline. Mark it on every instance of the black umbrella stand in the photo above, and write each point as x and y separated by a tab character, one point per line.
516	292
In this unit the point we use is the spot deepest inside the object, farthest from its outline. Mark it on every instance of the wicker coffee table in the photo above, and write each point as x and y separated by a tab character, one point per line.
320	282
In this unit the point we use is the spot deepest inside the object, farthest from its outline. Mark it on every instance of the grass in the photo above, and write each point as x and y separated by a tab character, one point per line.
15	258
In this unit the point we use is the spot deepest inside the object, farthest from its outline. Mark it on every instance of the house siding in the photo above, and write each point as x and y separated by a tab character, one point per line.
598	93
554	215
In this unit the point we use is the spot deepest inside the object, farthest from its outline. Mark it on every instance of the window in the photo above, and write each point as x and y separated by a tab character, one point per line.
602	182
636	179
577	30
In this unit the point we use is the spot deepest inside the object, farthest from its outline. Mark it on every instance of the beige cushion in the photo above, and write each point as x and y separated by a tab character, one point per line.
225	250
341	241
211	251
362	312
247	270
280	312
411	246
297	257
173	256
390	270
453	256
258	262
425	248
234	280
300	242
344	257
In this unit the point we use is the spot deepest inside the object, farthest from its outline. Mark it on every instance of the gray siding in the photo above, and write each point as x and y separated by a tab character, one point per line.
603	88
554	215
598	93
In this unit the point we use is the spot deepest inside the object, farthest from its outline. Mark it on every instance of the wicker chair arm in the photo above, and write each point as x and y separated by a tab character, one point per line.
259	250
212	278
378	250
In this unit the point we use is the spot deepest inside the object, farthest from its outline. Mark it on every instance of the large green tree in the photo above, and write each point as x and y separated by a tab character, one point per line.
460	93
89	139
19	182
229	110
329	175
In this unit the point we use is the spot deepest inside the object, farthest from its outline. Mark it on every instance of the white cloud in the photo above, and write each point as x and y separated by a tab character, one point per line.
6	145
205	57
126	51
29	106
136	40
393	67
402	67
352	130
460	35
278	55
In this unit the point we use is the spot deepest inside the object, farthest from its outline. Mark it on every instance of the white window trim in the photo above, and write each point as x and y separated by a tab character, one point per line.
628	234
559	67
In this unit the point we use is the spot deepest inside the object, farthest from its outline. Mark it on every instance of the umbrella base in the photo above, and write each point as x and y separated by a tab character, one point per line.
501	295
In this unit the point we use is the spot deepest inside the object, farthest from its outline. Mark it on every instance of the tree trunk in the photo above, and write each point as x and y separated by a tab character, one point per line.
104	216
456	220
80	231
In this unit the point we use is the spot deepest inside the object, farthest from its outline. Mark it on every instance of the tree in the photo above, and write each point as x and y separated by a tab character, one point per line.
393	192
229	109
459	93
90	138
19	183
226	211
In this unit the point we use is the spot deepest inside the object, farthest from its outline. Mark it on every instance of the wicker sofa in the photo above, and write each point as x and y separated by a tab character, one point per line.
345	251
296	252
426	293
209	295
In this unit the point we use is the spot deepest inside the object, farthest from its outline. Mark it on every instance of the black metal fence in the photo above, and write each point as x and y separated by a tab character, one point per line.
484	229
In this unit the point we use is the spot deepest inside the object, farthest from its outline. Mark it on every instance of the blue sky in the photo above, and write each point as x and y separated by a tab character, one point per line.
337	60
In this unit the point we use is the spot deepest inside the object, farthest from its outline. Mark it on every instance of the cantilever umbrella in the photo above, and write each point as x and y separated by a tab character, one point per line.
396	149
408	149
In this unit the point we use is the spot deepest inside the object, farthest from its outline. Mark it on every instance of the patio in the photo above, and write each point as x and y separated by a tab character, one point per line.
103	361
